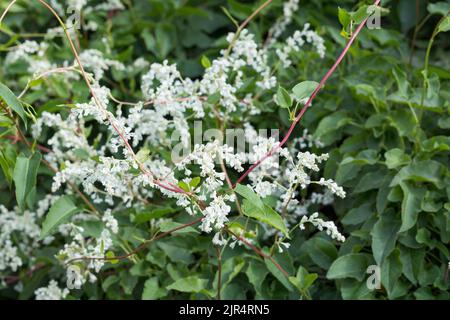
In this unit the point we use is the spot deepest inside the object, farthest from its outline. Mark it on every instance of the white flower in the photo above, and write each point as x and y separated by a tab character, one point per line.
297	41
320	224
333	187
110	221
51	292
216	213
289	8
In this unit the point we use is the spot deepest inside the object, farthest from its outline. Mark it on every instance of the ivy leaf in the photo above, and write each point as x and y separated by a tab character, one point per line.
304	89
283	98
24	176
10	99
59	213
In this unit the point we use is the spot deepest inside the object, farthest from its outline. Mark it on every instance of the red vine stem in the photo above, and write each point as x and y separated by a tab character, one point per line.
259	252
305	107
141	246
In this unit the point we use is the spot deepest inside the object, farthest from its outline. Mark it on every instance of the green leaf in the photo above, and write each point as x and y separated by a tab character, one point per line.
395	158
283	98
358	215
250	195
256	273
189	284
441	8
371	180
60	212
110	254
143	155
359	15
321	251
206	63
214	98
24	176
6	165
183	185
421	171
412	200
444	26
405	123
391	271
412	262
345	19
152	290
266	215
331	123
156	212
10	99
278	274
303	280
304	89
384	237
169	225
194	182
351	265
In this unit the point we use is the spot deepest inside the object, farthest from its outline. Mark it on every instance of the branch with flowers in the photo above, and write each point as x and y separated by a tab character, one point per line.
90	148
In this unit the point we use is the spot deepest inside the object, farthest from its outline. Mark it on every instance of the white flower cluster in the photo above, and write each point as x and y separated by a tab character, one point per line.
114	176
289	9
19	233
295	42
81	247
51	292
333	186
320	224
33	54
94	60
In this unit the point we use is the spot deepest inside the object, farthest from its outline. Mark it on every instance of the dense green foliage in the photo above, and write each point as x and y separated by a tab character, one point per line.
383	117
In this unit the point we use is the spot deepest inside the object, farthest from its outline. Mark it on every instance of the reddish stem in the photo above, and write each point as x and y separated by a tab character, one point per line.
311	98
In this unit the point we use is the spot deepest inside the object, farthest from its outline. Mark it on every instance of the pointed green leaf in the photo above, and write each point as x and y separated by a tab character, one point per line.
11	101
189	284
24	176
265	214
351	265
283	98
304	89
60	212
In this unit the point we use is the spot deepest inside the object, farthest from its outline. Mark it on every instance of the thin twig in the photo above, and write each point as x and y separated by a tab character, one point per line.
140	247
